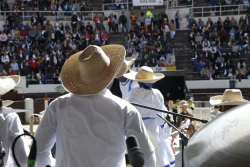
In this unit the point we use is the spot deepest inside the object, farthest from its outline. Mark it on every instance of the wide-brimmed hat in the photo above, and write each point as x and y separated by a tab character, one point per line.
90	71
230	97
126	66
8	82
145	75
6	103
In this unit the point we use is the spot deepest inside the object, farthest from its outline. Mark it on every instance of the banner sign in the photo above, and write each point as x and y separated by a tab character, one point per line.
146	7
155	69
147	2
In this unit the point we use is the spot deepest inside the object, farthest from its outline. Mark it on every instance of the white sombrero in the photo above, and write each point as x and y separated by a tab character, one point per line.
90	71
128	62
145	75
230	97
8	82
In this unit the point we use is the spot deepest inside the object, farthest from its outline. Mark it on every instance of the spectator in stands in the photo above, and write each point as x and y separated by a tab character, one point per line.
213	49
190	17
20	26
115	22
3	39
15	7
221	60
49	78
53	8
200	25
56	77
97	20
232	34
246	2
72	7
11	19
172	29
235	49
228	67
211	73
4	6
33	64
133	18
149	13
23	34
233	73
110	22
223	34
14	66
82	6
205	73
241	63
22	6
177	19
66	8
148	22
123	22
40	77
10	72
142	19
74	21
242	72
233	23
212	3
169	49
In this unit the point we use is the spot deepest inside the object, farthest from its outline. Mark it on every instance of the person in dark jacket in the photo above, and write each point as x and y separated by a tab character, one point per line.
123	22
40	19
74	21
171	109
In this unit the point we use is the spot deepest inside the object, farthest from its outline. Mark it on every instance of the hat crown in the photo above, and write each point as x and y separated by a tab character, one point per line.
92	61
232	95
145	73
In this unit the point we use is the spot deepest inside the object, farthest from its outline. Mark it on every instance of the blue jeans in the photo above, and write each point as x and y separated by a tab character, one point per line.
112	7
124	25
189	23
169	51
212	7
97	24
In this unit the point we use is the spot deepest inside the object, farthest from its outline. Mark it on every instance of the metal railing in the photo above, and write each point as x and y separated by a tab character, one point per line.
114	5
59	14
222	9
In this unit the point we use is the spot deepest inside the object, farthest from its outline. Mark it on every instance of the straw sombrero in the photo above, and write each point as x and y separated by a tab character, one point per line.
8	82
6	103
145	75
230	97
90	71
126	66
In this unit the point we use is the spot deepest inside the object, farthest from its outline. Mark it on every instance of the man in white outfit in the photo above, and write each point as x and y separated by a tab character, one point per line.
158	131
126	84
11	127
90	124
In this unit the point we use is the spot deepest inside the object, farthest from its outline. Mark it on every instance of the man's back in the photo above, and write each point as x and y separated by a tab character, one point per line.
90	131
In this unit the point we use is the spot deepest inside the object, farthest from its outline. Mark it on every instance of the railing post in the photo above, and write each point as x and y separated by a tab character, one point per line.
167	3
23	15
92	15
192	3
238	9
4	16
220	10
202	11
127	5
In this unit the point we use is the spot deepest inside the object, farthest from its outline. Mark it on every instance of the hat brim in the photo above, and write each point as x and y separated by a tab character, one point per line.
70	74
126	66
156	77
7	103
8	82
217	100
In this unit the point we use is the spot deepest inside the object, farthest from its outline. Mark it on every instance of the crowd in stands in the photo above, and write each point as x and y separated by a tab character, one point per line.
55	6
38	50
150	41
209	41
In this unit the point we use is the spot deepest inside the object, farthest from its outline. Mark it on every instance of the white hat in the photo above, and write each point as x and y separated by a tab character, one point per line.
90	71
126	66
230	97
145	75
8	82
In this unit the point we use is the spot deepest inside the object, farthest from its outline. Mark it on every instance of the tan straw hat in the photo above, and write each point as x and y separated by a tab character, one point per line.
7	83
126	66
230	97
6	103
90	71
145	75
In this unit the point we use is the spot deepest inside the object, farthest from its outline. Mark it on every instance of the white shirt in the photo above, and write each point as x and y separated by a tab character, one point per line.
90	131
14	67
11	127
4	58
126	87
160	132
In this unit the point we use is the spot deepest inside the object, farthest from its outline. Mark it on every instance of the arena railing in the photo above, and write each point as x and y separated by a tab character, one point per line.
24	14
220	10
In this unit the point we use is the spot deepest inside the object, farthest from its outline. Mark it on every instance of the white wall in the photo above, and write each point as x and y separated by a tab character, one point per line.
43	88
216	84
